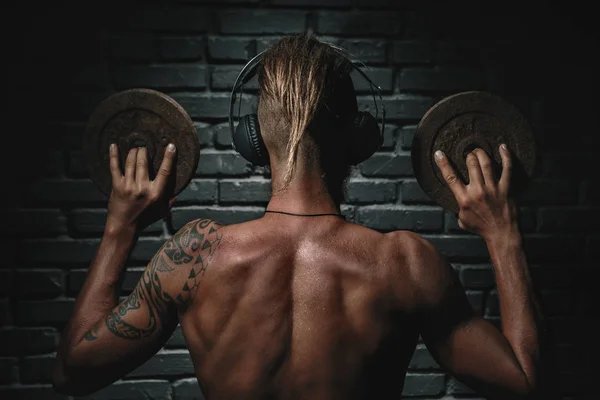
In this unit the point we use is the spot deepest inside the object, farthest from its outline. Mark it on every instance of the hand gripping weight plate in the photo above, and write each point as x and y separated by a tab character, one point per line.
462	122
140	117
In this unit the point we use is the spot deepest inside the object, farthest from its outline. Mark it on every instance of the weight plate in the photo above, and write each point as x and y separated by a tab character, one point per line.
140	117
462	122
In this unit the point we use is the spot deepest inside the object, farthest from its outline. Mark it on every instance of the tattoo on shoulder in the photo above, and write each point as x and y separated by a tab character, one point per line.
192	247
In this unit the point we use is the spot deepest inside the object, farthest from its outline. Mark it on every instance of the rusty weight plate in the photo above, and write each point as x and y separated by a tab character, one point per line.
462	122
140	117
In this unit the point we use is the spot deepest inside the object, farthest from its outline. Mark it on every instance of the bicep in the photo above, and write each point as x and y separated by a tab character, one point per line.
462	342
139	326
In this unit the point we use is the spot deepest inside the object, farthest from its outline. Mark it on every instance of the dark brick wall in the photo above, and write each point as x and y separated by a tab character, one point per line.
63	59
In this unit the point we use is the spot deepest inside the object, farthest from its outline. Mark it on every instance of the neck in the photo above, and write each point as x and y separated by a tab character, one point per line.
306	194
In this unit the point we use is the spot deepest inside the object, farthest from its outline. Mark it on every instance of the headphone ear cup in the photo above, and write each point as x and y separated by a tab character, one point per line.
365	138
248	141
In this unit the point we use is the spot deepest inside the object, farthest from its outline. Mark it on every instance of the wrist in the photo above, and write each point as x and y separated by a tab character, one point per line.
119	230
506	238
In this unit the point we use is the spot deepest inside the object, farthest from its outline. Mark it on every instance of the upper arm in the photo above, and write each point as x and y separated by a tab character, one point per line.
462	342
139	326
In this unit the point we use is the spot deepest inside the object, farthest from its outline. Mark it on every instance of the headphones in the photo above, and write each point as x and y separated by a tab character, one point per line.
363	132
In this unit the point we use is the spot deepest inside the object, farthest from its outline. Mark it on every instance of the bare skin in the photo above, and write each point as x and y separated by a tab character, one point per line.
289	307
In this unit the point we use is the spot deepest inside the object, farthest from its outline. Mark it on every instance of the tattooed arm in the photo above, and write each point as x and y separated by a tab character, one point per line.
104	341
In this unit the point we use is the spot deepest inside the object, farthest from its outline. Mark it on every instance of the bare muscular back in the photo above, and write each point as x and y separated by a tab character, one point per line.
298	308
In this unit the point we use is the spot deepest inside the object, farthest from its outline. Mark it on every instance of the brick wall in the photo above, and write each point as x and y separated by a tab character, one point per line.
63	59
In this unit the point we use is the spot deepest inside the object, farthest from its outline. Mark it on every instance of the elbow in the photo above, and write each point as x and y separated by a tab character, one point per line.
66	382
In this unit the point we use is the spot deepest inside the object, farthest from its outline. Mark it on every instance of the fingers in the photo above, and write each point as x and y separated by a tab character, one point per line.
165	168
115	170
141	168
504	182
130	165
486	167
456	186
475	174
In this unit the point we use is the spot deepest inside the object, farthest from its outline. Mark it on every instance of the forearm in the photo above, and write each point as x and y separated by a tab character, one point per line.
519	309
100	292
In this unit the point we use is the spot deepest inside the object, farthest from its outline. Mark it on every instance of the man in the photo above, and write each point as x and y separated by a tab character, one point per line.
300	304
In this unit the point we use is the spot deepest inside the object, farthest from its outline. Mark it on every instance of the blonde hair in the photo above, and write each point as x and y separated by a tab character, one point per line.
296	78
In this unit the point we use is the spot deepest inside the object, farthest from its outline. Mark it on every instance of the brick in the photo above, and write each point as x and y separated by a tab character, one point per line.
475	298
422	359
187	389
562	219
255	191
223	215
33	222
457	387
370	191
212	105
176	340
76	167
388	218
399	107
172	18
37	369
368	51
146	248
387	165
161	76
230	48
223	139
381	76
349	212
65	191
9	370
248	21
413	51
80	250
205	134
133	47
413	194
85	221
407	134
477	276
548	192
59	250
390	132
359	23
77	278
439	79
553	248
45	283
198	191
23	392
25	341
416	384
44	312
460	247
182	48
437	52
223	163
223	77
52	164
264	43
165	364
133	390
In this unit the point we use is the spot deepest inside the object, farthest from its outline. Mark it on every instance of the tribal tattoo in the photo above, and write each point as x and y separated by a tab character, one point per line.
193	247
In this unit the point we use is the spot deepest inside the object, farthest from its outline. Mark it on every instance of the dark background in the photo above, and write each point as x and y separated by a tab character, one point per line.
63	58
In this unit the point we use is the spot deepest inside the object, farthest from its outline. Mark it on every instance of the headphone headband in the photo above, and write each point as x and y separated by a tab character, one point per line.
246	74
